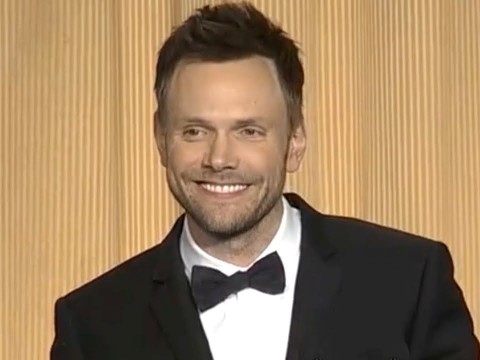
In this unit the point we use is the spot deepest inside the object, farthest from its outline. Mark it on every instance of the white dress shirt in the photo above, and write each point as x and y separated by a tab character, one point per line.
250	325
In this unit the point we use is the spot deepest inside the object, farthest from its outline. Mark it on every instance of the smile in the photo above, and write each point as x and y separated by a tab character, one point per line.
223	189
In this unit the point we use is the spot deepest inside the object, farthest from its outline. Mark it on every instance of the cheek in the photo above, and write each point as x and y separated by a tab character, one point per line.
184	156
264	160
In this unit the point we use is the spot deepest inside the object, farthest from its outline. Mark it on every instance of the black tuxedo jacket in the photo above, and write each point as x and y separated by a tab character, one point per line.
362	292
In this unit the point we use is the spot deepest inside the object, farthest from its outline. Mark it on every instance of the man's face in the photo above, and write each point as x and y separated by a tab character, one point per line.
226	144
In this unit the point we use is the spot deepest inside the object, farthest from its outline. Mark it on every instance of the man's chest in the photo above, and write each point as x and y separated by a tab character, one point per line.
249	325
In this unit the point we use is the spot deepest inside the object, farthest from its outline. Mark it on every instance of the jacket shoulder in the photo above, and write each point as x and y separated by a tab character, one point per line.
132	275
348	233
352	233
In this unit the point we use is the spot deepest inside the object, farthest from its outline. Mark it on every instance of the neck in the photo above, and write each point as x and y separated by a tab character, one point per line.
243	249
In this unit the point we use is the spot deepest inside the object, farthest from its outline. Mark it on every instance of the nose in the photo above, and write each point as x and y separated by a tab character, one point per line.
220	153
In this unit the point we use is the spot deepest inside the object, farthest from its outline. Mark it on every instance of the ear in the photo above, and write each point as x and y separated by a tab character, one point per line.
159	132
296	149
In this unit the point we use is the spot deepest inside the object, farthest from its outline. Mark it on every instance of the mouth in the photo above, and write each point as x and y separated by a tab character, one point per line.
223	189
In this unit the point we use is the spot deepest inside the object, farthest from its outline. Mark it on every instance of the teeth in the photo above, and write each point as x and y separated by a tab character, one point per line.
223	189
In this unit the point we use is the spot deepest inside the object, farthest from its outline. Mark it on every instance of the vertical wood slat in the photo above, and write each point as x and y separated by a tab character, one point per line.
392	109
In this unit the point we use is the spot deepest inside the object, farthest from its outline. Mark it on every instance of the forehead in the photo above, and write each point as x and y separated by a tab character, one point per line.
237	88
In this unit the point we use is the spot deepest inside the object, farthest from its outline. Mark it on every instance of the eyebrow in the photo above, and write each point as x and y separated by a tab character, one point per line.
238	122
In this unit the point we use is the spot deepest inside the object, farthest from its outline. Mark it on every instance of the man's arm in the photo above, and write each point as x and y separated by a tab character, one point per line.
65	345
442	328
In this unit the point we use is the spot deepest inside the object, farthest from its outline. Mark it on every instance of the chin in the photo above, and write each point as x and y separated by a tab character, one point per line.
225	232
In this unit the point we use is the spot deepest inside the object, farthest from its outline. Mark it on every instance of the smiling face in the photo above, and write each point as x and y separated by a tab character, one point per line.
226	144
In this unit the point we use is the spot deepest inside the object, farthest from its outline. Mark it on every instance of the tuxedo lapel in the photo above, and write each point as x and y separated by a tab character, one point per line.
318	280
173	305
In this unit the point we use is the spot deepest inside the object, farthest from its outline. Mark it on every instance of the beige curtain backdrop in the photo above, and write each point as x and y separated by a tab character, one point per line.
392	112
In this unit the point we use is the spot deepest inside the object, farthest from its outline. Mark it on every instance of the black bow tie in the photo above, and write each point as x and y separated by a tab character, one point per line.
210	287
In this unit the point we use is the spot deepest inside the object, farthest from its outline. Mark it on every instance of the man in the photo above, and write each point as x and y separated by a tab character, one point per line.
247	272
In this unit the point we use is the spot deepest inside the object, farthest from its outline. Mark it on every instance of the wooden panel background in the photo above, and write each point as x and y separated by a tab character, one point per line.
392	111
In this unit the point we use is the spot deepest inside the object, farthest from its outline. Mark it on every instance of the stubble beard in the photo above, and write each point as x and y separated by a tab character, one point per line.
219	222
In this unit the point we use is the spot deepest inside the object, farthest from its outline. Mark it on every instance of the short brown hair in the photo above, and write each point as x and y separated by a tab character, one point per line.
232	31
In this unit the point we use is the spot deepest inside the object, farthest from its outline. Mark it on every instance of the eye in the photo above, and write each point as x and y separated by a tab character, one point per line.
192	133
251	132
